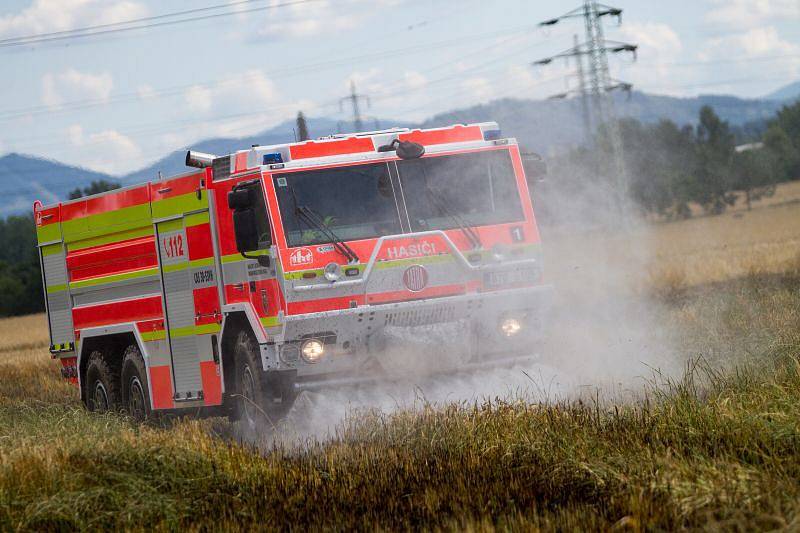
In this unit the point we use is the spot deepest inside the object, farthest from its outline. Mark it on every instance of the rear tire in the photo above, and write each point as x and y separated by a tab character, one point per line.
135	390
102	385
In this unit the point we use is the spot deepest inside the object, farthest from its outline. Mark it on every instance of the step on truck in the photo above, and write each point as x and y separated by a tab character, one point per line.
232	287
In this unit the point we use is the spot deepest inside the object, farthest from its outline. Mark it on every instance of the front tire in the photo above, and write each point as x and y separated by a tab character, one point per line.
135	390
102	385
249	384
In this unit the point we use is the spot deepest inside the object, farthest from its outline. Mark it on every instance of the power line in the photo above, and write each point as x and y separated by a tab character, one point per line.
274	74
125	22
43	39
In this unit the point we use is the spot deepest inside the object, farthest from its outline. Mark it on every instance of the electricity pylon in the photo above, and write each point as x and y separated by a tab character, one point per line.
600	83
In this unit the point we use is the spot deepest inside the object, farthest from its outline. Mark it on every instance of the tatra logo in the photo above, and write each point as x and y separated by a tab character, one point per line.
412	250
415	278
301	256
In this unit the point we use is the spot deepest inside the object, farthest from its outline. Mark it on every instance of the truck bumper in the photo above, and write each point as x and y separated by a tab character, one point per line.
412	338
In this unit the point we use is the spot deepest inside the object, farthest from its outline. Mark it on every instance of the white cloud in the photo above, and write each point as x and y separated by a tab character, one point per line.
44	16
239	92
479	88
754	43
198	98
323	17
414	80
659	47
73	85
743	14
107	151
145	92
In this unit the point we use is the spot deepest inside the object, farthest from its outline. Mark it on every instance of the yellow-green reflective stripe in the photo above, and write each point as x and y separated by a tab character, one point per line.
194	330
52	249
270	321
127	218
196	263
56	288
113	278
170	225
195	219
235	258
110	238
423	260
149	336
50	232
298	274
178	205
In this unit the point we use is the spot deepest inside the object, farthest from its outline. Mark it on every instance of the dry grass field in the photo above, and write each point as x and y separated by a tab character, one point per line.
716	448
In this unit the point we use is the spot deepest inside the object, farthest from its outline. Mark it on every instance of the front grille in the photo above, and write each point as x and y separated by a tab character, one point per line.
419	317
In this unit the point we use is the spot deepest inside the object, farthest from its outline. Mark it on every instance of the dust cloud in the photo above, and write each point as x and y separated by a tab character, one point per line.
606	337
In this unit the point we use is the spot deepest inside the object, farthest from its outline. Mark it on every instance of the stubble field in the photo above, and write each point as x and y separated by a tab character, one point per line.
715	445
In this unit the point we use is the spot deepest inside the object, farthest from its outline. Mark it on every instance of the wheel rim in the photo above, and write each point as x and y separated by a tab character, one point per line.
136	400
100	397
248	395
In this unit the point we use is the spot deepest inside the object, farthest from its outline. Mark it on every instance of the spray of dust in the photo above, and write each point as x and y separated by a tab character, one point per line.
606	336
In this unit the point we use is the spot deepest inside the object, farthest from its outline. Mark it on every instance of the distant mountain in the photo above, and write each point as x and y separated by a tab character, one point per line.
787	92
282	133
27	178
549	125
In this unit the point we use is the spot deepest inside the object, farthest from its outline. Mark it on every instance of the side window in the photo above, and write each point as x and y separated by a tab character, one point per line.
262	217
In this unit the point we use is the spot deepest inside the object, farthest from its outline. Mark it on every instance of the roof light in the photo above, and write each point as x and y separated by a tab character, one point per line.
491	135
275	157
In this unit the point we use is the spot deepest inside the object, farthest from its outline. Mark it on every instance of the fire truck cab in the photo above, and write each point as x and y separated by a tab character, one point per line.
259	274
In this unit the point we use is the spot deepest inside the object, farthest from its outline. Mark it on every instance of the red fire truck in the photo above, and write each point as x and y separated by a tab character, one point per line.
231	288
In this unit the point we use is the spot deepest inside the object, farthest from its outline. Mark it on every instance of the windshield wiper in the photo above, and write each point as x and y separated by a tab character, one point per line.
314	220
466	229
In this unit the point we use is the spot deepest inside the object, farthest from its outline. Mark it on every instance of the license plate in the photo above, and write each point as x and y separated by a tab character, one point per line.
508	277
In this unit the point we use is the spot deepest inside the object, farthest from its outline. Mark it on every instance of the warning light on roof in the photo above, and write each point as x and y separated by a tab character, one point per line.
275	157
491	135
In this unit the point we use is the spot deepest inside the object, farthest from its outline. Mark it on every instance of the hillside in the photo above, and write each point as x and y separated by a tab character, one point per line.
27	178
787	92
547	125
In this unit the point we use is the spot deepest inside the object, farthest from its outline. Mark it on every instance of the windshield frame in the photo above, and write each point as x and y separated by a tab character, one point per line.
511	149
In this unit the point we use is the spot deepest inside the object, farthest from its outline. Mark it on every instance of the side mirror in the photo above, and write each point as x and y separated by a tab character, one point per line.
248	208
246	230
535	167
404	149
239	199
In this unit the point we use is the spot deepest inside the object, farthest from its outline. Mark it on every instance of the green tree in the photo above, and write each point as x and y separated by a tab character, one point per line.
715	152
96	187
755	174
20	277
302	127
782	139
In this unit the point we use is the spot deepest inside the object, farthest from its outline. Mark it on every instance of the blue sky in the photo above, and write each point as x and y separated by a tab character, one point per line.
116	103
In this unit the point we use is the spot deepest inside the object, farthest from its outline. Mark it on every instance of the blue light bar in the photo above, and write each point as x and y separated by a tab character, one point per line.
491	135
275	157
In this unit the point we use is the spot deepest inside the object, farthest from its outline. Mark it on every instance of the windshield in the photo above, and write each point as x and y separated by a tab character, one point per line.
355	202
478	188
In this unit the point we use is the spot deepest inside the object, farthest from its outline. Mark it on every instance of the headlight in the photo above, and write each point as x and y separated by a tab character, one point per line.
510	327
333	272
312	351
